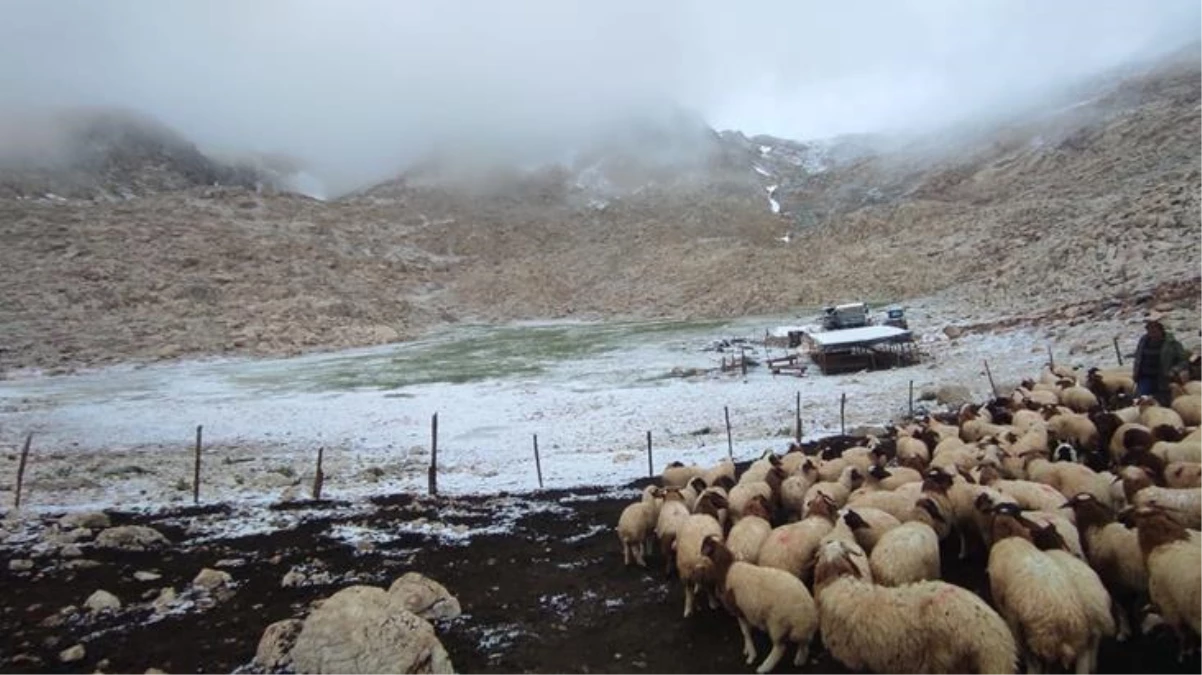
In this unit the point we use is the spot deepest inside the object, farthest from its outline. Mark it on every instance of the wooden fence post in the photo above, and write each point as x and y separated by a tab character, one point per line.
842	408
319	477
992	386
21	469
1117	354
1051	360
538	467
650	470
432	478
798	418
196	468
911	399
730	445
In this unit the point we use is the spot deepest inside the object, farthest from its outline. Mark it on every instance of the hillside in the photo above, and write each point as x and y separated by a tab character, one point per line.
1074	204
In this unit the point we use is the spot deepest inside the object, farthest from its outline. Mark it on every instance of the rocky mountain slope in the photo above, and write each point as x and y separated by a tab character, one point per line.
1087	204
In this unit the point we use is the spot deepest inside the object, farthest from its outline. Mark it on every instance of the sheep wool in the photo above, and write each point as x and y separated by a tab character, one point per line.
636	523
906	554
927	627
791	547
1091	594
695	570
747	536
1174	561
768	599
1036	597
1189	408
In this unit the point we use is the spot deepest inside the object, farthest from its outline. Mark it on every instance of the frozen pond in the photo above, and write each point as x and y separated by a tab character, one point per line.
590	392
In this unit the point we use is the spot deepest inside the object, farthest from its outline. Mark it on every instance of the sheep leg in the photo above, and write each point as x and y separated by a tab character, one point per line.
963	544
778	650
688	599
626	553
638	555
1083	662
1124	623
748	643
803	654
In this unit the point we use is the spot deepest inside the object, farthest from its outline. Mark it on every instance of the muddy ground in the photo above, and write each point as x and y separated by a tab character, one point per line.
541	584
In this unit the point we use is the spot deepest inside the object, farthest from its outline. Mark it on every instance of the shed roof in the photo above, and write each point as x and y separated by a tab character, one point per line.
864	336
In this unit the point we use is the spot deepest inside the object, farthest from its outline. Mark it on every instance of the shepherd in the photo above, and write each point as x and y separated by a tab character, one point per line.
1159	360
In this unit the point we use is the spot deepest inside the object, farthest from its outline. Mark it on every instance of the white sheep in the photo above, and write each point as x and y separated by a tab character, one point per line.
1174	561
747	536
1067	478
1091	593
678	475
1182	504
672	514
927	627
694	569
724	468
636	524
768	599
1113	551
1077	398
793	490
838	491
1036	597
905	554
913	453
791	547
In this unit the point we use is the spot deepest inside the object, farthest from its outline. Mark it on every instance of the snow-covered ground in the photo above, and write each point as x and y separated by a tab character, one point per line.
124	436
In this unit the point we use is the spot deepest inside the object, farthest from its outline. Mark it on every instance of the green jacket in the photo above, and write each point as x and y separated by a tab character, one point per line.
1173	360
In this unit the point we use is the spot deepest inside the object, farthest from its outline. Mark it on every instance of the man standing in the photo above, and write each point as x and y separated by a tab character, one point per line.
1159	359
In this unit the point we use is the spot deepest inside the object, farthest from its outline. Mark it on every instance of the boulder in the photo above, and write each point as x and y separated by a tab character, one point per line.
210	579
276	643
953	332
954	395
92	520
20	565
142	575
363	629
102	600
131	538
72	654
425	597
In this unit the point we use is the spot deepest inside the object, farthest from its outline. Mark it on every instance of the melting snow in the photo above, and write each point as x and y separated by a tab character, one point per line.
761	171
765	149
774	205
771	190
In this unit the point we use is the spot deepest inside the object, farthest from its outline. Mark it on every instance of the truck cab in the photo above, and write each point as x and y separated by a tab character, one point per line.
851	315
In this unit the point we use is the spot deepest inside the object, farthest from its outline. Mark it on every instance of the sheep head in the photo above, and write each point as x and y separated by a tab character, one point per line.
854	520
1088	510
834	561
879	472
821	505
698	484
758	506
929	506
725	482
1157	528
1008	522
937	481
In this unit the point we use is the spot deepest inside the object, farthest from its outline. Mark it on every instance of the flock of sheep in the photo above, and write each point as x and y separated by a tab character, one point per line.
1088	502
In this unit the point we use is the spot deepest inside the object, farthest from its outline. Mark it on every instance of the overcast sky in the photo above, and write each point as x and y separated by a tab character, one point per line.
359	87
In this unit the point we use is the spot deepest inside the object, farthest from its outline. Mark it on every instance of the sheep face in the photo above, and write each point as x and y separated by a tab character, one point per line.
1064	453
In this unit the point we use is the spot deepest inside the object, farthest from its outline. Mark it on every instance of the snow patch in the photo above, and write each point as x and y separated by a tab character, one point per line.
774	205
761	170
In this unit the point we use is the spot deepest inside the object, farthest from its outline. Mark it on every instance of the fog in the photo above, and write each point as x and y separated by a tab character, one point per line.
358	89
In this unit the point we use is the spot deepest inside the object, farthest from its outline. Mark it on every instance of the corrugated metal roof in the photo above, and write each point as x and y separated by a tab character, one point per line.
865	335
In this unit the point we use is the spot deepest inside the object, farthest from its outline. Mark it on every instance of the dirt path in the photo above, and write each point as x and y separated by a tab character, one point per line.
539	577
